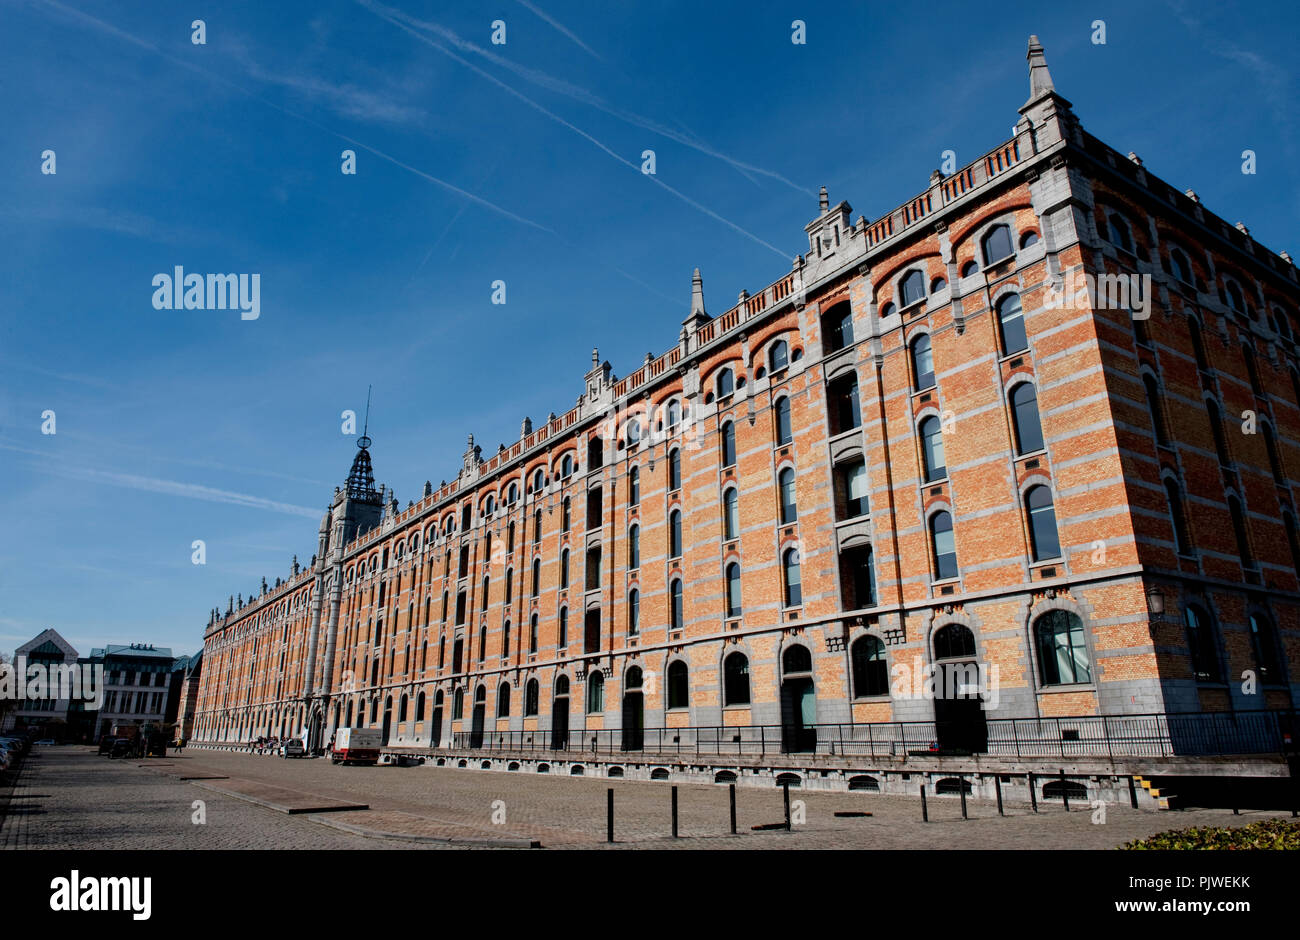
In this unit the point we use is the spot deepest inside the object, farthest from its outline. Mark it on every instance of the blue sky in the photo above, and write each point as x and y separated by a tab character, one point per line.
475	162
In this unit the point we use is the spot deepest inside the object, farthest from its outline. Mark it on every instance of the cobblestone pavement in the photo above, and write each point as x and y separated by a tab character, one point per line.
69	797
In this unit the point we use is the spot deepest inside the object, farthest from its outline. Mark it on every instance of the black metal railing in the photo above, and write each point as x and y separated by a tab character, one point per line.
1154	735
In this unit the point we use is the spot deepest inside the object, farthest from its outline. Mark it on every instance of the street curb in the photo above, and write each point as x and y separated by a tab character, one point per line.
280	807
445	840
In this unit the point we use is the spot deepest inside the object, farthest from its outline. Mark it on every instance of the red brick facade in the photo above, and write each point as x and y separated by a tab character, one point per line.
435	603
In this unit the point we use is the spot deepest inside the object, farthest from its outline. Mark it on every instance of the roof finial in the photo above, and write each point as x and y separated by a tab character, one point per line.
697	294
823	200
1040	79
364	442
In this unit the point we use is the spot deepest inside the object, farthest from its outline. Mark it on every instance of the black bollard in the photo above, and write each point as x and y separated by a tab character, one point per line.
997	785
1065	794
925	812
785	788
674	811
962	788
1033	797
732	789
1133	792
609	815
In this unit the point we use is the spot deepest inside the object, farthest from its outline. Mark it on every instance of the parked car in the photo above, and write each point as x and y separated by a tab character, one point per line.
293	748
106	744
121	748
46	742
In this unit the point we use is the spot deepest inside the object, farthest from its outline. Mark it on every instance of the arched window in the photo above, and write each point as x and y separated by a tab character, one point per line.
1119	234
783	430
728	444
1182	544
837	327
532	634
969	268
1198	345
633	612
792	577
482	642
1202	644
537	526
564	568
1181	266
842	399
595	692
943	545
1252	371
457	705
1235	300
487	585
912	288
996	244
730	514
595	453
795	659
1044	543
674	414
564	628
1024	419
530	698
505	639
1239	530
870	670
733	590
726	383
778	356
634	486
675	534
675	603
932	459
1062	650
937	285
1264	641
632	432
1293	540
1011	325
537	576
785	489
503	700
634	547
954	641
735	680
678	688
419	707
922	362
401	709
674	469
853	486
566	467
1028	239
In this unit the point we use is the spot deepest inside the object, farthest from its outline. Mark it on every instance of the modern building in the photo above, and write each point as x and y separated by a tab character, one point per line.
1016	460
48	714
137	685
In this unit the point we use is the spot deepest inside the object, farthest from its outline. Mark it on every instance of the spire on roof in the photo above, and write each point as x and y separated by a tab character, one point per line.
697	295
1040	79
823	200
361	478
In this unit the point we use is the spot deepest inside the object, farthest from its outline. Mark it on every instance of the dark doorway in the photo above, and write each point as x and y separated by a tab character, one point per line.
314	737
435	734
476	721
798	701
959	720
633	711
560	715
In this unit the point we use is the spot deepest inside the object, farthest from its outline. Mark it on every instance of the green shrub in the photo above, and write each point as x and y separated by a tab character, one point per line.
1269	834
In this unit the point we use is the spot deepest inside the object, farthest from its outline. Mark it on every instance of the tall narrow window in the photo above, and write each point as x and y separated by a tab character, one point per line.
1216	428
674	469
532	634
675	534
837	327
530	698
537	576
735	685
1152	393
733	590
1265	645
944	546
1062	650
730	514
634	486
996	244
923	362
1011	325
1293	540
728	444
634	547
564	568
932	459
783	431
1274	457
566	514
1239	530
633	612
1024	419
1044	543
726	383
675	612
870	675
1119	235
678	691
785	488
503	700
792	577
1182	268
842	397
595	693
1252	371
1202	644
537	526
854	482
564	627
1182	542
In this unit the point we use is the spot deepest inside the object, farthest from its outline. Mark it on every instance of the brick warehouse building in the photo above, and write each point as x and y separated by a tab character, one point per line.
924	449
